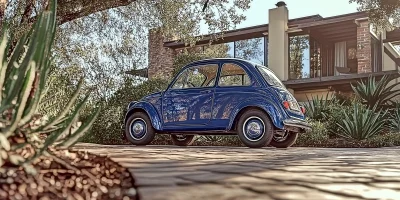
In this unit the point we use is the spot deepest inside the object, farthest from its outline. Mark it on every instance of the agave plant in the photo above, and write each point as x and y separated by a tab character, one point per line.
318	106
363	123
374	92
22	79
394	119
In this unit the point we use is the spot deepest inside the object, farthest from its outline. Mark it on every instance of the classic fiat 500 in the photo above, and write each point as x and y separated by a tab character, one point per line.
222	96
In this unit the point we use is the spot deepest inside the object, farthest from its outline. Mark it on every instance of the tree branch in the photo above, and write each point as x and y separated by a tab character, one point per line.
69	10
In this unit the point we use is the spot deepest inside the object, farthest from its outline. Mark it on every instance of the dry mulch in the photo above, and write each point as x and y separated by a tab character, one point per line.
69	175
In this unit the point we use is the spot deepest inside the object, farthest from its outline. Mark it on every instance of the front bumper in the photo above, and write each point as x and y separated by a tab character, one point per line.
297	124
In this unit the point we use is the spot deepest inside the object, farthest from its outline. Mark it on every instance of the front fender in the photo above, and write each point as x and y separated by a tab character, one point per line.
149	109
273	110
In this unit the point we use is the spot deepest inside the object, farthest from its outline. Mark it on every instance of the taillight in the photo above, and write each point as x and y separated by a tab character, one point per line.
286	104
303	110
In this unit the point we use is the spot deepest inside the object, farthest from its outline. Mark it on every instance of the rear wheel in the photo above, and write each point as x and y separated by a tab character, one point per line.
285	140
255	129
183	140
138	129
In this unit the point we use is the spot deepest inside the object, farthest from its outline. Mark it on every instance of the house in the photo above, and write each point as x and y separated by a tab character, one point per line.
339	50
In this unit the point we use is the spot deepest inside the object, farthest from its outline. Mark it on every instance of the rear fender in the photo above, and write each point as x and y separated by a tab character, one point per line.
150	111
269	107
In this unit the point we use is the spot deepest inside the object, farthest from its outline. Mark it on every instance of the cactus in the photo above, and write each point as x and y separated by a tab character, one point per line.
22	84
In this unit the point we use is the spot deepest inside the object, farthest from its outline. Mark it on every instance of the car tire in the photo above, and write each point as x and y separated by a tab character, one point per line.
139	130
183	140
286	142
262	132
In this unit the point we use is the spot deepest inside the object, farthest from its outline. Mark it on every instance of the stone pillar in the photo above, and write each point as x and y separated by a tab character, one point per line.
364	46
160	58
278	46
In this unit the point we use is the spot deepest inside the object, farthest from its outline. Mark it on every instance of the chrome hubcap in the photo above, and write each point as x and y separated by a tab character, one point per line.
253	129
138	128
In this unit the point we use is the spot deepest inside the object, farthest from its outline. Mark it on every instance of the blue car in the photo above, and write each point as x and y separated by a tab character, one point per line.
223	96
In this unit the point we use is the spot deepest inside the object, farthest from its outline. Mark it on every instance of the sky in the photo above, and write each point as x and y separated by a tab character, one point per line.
258	12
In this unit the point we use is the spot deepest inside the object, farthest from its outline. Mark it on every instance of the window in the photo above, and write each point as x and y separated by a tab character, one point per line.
269	76
233	75
196	77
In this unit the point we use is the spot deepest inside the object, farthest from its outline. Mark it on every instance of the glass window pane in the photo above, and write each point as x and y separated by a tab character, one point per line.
197	76
233	75
299	65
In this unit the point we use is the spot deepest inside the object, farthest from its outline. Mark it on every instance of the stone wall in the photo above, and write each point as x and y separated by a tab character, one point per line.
364	47
160	58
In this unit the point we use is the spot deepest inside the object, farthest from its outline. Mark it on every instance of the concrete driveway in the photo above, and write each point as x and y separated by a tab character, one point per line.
207	173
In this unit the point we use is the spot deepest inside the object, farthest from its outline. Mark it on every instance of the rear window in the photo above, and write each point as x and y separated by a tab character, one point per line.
269	76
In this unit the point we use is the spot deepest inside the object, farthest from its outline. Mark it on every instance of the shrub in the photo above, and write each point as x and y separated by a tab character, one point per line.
107	128
23	78
394	119
363	123
316	137
376	93
318	107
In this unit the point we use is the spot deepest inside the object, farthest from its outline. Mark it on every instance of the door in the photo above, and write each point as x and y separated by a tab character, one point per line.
234	87
187	104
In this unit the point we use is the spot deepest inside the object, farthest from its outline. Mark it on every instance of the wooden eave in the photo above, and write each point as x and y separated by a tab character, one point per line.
298	26
242	34
393	36
332	81
138	72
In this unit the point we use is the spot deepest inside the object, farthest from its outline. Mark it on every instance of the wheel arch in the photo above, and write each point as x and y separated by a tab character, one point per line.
148	109
269	110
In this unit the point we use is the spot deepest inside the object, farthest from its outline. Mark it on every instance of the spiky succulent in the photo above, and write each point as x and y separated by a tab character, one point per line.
22	83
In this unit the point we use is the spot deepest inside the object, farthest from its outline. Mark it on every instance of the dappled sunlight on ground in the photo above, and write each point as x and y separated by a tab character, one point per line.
169	172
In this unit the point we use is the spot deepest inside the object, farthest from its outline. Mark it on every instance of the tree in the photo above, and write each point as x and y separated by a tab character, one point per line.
251	49
381	10
297	46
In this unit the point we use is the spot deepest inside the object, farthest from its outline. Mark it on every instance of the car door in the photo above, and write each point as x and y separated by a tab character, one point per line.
187	104
234	87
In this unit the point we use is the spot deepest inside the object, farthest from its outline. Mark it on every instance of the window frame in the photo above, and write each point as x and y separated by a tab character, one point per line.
186	79
246	73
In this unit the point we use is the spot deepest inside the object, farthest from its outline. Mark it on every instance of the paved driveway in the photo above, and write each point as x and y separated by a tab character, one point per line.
208	173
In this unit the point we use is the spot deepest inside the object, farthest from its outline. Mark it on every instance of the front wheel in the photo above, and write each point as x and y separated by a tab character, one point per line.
183	140
284	141
255	129
138	129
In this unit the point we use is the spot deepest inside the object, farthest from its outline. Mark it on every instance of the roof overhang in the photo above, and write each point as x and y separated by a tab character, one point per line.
138	72
393	36
298	26
334	81
244	33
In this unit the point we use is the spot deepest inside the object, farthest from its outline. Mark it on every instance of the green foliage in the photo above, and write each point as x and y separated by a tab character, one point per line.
394	119
317	136
379	93
107	128
380	11
22	79
318	107
363	123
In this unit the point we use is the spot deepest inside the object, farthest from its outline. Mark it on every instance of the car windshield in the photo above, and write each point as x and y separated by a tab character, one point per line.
269	76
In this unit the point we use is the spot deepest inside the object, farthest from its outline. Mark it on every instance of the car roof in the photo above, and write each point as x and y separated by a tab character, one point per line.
223	59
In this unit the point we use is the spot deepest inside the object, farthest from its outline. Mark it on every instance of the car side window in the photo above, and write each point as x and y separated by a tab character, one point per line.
233	75
197	77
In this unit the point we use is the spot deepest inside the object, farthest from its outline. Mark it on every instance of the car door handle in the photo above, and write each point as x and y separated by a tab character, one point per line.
205	91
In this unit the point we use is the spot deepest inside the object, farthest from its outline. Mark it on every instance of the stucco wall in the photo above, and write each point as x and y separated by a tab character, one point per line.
301	96
388	63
